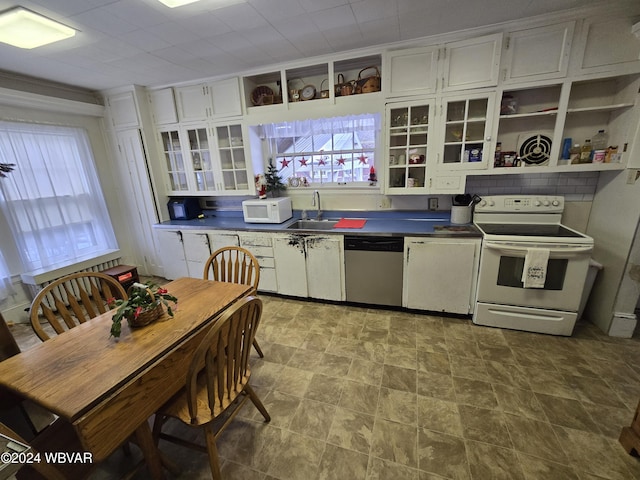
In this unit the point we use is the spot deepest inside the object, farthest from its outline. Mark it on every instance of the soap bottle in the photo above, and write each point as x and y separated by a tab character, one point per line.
574	153
585	151
599	140
497	160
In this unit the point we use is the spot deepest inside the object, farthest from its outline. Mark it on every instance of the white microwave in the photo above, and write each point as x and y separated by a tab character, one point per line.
271	210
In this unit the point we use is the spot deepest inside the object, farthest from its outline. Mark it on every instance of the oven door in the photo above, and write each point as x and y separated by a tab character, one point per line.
500	279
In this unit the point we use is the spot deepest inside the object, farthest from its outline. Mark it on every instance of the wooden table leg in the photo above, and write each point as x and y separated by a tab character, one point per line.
149	450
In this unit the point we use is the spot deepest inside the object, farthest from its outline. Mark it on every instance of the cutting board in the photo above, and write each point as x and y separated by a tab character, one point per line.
350	223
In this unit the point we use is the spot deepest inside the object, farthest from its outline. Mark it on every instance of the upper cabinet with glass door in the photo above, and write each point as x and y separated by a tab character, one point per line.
232	155
202	167
409	135
465	131
174	161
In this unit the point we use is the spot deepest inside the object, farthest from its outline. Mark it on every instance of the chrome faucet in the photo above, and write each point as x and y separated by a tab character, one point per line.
316	193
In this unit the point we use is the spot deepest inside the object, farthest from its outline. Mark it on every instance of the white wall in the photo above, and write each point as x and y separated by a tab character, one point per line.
612	224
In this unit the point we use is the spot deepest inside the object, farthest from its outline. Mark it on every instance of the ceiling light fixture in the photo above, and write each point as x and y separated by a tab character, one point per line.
177	3
26	29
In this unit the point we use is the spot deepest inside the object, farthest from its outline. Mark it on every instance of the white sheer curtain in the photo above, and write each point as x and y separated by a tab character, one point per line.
6	287
53	200
302	128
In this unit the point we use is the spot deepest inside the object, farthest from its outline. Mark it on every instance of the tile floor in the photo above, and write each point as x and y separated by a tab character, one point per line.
369	394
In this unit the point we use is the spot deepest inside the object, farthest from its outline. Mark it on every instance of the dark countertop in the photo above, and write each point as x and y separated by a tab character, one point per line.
402	223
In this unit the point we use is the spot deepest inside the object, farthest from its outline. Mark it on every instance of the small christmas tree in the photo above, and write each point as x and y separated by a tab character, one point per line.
274	180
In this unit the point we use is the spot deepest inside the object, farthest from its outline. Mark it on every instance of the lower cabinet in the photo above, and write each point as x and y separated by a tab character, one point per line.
261	246
310	265
440	274
171	252
197	249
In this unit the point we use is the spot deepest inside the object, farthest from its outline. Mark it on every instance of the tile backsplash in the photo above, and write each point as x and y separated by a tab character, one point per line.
574	186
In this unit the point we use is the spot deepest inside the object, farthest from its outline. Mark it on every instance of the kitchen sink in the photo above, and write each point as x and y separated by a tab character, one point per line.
312	225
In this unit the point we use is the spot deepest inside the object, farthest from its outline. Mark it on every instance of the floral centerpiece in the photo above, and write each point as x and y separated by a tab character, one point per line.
143	306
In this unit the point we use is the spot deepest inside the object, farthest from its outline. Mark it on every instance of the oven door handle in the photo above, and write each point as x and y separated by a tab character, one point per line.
518	249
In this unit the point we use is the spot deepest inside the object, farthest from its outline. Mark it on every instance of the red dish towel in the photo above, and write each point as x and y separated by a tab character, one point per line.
350	223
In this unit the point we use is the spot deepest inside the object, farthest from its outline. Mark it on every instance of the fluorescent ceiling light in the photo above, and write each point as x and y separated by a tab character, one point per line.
177	3
26	29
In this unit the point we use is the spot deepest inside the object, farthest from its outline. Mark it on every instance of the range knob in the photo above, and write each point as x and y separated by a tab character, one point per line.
545	203
537	203
491	203
555	203
483	203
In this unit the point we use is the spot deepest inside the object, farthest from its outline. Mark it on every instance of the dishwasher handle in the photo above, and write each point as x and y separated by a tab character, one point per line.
374	243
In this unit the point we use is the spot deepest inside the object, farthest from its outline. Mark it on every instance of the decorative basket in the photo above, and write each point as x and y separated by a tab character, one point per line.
368	84
147	316
344	88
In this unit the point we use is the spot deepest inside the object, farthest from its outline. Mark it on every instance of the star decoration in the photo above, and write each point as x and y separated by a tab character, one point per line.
303	162
341	161
285	163
322	161
362	158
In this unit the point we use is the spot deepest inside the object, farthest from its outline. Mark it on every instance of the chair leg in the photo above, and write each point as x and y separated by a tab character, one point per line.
257	402
258	349
212	450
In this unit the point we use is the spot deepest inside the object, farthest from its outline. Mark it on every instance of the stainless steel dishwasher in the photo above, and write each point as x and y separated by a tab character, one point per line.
373	269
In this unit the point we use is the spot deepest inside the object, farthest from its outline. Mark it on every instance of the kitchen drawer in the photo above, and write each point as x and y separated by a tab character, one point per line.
266	262
259	251
250	241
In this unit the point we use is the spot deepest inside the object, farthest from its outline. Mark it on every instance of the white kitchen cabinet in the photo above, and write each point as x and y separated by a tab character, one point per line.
527	113
325	267
123	110
163	106
609	45
171	252
232	157
465	133
310	265
603	104
206	160
410	136
472	63
261	246
539	53
209	101
197	250
411	71
290	263
223	238
174	164
440	274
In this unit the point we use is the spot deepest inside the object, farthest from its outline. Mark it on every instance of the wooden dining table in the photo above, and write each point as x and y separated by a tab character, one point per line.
108	388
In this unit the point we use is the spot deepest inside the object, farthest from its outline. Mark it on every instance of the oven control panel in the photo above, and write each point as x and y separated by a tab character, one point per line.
521	203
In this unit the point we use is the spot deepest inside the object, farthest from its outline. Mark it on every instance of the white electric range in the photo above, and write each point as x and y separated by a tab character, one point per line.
532	267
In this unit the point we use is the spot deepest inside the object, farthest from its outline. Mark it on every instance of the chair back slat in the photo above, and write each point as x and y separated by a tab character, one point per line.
222	358
234	265
71	300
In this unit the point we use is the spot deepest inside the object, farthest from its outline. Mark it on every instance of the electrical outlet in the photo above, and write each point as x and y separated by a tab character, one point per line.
385	202
632	175
433	203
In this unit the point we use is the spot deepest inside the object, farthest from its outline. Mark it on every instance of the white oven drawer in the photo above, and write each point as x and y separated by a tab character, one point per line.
539	320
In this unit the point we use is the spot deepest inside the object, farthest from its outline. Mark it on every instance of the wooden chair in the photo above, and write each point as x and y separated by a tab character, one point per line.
235	265
71	300
217	381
